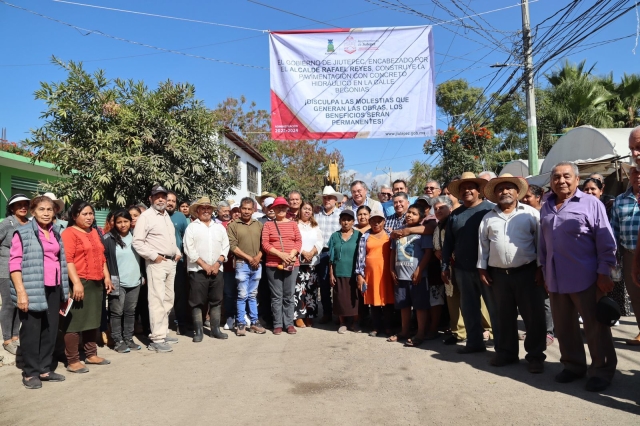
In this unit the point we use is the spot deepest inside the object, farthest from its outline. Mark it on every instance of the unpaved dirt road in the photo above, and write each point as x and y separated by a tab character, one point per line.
319	377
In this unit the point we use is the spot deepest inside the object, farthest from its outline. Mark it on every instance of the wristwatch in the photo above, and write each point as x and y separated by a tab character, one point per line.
220	262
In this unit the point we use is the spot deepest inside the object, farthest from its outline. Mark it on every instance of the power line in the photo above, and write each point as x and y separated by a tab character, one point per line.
159	16
100	33
292	13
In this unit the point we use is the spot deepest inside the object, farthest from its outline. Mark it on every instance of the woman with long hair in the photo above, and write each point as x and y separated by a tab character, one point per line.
39	285
17	211
126	276
306	291
89	277
362	216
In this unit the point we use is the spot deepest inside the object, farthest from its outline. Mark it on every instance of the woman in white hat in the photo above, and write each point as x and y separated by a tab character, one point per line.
17	210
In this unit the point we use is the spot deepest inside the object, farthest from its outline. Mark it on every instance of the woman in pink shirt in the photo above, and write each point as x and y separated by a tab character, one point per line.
39	284
282	242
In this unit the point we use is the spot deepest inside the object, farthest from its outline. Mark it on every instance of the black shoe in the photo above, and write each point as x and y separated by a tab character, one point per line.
566	376
451	340
596	384
33	383
121	347
501	361
198	334
52	377
470	350
133	345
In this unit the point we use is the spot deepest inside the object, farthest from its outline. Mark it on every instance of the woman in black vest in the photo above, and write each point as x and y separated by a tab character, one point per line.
39	284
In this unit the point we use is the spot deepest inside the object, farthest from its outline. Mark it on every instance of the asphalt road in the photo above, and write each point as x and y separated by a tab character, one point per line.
319	377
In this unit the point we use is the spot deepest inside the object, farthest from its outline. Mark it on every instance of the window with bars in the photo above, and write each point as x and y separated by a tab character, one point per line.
252	178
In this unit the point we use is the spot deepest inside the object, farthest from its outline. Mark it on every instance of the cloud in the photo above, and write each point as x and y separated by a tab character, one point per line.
381	178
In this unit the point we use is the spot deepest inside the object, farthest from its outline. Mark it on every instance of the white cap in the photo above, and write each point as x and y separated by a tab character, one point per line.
235	206
268	201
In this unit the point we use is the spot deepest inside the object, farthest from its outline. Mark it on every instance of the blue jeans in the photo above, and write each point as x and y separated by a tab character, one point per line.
471	289
247	279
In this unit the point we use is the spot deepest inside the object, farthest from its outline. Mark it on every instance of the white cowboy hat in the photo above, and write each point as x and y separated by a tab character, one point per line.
490	187
58	202
329	191
454	187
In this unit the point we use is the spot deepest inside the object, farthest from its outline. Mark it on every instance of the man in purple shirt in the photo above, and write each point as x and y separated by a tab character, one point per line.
576	253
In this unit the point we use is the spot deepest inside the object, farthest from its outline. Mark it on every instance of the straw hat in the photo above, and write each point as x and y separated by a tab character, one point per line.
520	183
329	191
265	194
193	208
58	202
454	187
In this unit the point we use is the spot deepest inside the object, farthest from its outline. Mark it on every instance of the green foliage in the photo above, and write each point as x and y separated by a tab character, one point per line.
458	101
114	139
421	173
300	165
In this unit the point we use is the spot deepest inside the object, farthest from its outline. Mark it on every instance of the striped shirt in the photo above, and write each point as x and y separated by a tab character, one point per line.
625	219
328	223
291	240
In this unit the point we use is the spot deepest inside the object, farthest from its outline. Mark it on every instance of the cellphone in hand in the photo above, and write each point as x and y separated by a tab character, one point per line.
364	288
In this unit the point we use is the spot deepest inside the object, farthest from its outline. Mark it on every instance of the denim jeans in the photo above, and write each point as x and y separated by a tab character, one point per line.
282	284
471	289
122	310
247	279
230	295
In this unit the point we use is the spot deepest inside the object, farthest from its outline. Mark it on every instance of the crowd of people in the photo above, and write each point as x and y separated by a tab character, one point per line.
465	258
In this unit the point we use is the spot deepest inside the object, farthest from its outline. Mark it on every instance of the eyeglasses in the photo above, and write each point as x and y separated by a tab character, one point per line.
388	194
427	188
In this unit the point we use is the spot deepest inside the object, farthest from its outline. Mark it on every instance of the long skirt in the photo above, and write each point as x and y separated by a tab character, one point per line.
86	314
306	292
346	297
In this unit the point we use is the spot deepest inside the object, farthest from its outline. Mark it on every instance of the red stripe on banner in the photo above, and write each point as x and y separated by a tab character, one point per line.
285	126
328	30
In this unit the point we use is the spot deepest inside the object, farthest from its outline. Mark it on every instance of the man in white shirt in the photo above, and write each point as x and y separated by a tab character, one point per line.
359	198
206	245
507	253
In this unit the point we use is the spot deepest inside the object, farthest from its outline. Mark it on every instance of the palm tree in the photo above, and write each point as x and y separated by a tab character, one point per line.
628	105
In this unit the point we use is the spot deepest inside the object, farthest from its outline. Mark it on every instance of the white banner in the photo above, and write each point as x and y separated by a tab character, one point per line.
352	83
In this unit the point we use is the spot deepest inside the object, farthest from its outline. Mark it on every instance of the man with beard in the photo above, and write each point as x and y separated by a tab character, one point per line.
180	223
461	241
154	239
507	253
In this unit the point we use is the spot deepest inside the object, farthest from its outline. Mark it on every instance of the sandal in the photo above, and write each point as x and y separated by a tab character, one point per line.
397	338
414	342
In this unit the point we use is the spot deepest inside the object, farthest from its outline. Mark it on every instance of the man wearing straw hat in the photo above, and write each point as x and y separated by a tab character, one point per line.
206	245
461	241
329	222
507	253
261	198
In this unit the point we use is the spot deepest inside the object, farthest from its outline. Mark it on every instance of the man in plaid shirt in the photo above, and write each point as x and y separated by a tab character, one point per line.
329	222
625	222
400	205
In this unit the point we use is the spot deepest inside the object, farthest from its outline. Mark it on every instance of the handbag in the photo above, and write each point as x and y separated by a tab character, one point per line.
281	265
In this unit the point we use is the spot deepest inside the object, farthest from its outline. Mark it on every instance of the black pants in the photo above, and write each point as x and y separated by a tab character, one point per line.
38	335
181	301
142	309
381	317
513	292
122	311
325	286
205	290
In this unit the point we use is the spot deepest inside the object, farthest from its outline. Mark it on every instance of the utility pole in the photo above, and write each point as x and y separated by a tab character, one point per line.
385	168
532	126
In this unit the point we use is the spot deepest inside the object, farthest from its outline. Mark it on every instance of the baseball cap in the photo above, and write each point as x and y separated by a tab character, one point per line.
348	212
377	213
268	201
157	189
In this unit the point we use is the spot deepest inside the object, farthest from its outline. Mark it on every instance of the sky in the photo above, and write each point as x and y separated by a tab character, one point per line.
27	43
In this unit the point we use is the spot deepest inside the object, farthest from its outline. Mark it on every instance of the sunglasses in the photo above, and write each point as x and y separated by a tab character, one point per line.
388	194
430	188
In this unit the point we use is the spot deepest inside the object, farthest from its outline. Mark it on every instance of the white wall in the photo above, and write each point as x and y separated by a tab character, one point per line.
241	190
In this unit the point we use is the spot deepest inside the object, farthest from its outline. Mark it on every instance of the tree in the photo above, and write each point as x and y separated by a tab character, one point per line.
299	165
115	139
458	101
421	173
628	106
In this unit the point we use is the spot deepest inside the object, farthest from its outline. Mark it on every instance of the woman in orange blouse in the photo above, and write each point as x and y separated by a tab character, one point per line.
88	276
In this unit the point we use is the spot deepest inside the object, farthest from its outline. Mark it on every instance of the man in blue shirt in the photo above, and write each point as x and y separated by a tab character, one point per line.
180	307
399	185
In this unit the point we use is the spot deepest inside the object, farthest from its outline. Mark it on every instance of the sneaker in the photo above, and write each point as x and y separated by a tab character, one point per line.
171	340
241	330
257	328
229	324
159	347
12	348
121	347
52	377
133	345
291	330
33	382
